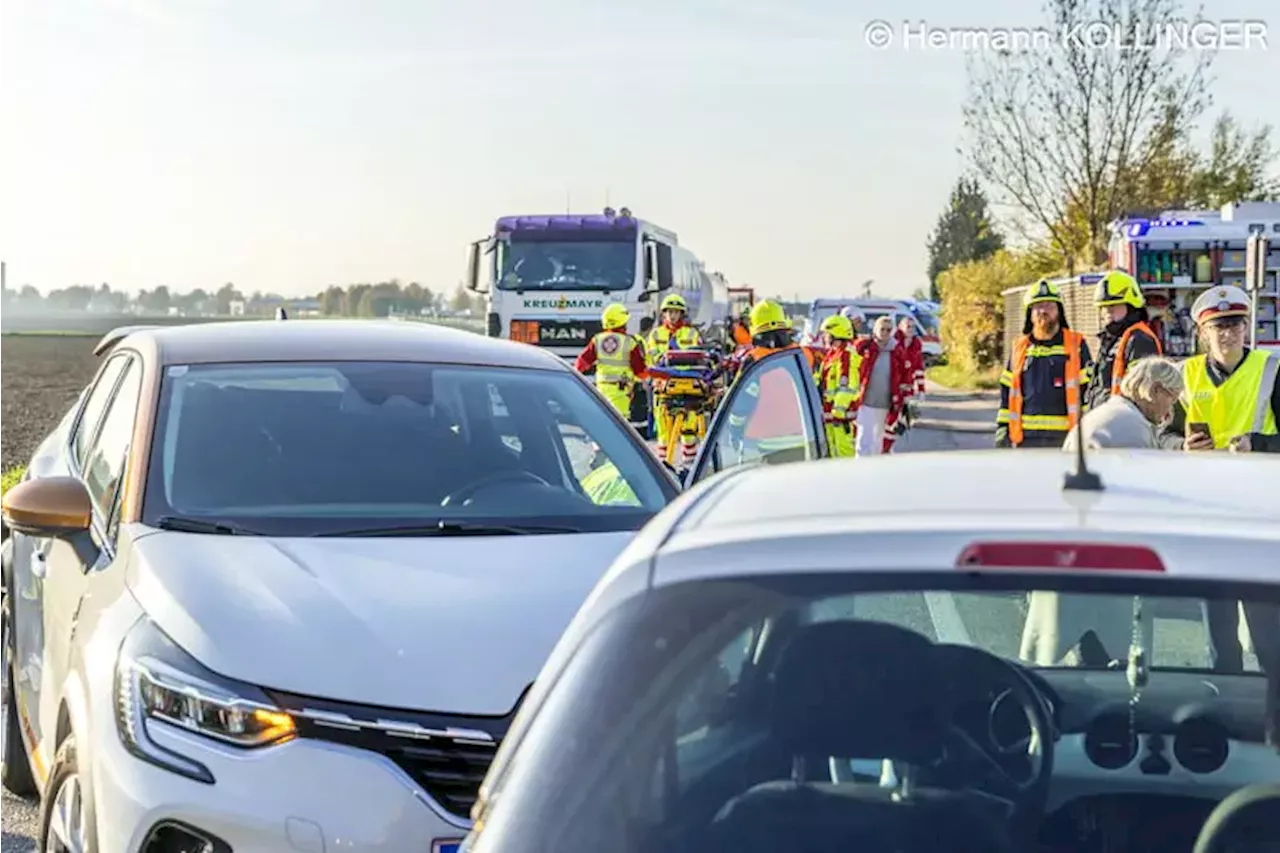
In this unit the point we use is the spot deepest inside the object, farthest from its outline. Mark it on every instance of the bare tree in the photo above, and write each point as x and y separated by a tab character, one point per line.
1059	132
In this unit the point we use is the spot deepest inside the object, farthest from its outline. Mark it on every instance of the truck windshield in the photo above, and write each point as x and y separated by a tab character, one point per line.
566	265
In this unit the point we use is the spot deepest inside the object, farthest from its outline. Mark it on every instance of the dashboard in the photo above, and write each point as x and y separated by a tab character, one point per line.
1188	734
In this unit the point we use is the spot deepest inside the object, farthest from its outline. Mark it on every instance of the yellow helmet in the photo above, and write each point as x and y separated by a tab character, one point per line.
768	316
1042	291
839	327
1118	288
615	316
674	302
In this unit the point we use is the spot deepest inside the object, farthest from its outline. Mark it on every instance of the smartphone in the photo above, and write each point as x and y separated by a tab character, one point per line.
1199	427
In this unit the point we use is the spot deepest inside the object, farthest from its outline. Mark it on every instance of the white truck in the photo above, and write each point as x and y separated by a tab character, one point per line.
547	278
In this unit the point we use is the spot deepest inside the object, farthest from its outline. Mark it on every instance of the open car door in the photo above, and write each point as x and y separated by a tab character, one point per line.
771	415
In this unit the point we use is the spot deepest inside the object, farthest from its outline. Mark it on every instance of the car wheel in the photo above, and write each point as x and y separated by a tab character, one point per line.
66	811
16	773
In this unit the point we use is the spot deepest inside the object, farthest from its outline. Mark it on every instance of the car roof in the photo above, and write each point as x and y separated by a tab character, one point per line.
343	340
920	511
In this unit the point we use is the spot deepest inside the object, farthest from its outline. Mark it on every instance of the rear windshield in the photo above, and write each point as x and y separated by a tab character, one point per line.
309	448
682	717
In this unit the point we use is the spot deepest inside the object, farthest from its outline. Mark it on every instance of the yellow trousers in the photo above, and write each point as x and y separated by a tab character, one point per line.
618	396
840	439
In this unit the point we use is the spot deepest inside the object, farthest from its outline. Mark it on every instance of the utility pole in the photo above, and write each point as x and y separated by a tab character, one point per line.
567	206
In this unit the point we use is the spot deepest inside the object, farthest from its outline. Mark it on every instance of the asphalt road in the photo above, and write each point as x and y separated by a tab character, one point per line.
994	622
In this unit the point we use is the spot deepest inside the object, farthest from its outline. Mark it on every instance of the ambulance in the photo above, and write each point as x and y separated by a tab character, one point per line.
547	278
925	321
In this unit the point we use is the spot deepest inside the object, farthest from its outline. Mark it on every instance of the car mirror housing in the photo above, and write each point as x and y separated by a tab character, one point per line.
48	506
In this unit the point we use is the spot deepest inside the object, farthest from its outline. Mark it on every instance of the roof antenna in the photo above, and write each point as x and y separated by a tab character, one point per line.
1081	479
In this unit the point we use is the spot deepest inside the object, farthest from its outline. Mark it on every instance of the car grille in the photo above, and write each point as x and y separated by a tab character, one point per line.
447	755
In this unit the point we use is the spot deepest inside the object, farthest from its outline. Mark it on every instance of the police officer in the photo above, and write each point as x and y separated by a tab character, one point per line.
1126	335
1231	400
1040	393
618	359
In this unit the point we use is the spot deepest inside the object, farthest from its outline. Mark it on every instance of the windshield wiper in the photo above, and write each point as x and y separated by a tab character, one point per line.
196	525
454	528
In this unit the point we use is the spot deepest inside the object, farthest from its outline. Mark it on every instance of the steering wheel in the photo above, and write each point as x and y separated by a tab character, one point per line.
463	494
1017	774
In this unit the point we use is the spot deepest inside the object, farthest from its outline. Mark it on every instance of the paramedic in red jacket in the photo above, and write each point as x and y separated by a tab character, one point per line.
912	353
884	374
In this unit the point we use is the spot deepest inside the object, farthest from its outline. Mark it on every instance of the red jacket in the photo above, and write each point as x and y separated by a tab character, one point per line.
900	372
914	353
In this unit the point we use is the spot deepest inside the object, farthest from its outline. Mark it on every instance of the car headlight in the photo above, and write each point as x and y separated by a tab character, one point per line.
159	684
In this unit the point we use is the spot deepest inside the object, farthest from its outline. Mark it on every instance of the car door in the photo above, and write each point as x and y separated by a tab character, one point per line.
30	555
771	415
100	465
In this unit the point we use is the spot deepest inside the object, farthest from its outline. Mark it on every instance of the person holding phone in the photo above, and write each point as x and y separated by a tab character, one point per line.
1232	396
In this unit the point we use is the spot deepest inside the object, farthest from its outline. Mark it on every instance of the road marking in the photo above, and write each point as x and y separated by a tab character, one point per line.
947	623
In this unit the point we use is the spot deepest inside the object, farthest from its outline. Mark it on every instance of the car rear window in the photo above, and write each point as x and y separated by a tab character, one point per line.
306	448
682	708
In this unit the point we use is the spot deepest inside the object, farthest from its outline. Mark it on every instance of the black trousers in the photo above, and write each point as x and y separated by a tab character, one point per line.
1263	619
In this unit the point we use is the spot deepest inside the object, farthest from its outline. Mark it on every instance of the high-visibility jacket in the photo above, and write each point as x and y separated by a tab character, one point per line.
1073	345
840	385
1239	406
1122	346
617	354
660	337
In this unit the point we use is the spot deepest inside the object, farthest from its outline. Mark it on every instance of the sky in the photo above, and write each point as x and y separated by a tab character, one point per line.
285	145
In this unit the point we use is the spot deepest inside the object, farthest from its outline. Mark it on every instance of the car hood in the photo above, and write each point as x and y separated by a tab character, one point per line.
460	625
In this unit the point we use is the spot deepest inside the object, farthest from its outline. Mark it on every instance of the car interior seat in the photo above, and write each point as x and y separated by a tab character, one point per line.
1247	821
853	689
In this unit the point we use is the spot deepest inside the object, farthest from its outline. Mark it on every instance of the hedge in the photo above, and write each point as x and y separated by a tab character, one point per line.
973	310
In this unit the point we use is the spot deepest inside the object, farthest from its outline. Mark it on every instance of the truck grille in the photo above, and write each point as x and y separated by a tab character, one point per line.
447	755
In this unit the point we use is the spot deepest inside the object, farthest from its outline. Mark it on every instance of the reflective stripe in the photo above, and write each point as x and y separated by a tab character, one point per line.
1266	387
1072	346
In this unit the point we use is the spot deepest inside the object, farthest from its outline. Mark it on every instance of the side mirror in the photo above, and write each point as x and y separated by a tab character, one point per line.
646	323
665	274
473	267
50	506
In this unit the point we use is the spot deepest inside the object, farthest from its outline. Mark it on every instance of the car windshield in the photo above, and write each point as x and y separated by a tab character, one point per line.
311	448
928	322
684	716
566	265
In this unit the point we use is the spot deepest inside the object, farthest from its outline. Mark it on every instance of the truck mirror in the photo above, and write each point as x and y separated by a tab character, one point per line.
665	276
473	267
648	264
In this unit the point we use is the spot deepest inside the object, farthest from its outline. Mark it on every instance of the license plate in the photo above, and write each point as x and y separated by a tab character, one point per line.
441	846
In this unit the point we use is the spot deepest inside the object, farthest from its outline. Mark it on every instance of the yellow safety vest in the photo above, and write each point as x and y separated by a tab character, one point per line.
1239	406
660	341
613	358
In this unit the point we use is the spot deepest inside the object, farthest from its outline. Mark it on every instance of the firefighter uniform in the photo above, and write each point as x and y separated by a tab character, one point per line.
1123	341
618	359
673	331
840	385
1040	389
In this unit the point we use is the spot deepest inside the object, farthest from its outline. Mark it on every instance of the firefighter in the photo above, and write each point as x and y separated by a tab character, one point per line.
740	329
674	328
776	427
1126	335
840	380
1042	381
618	359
